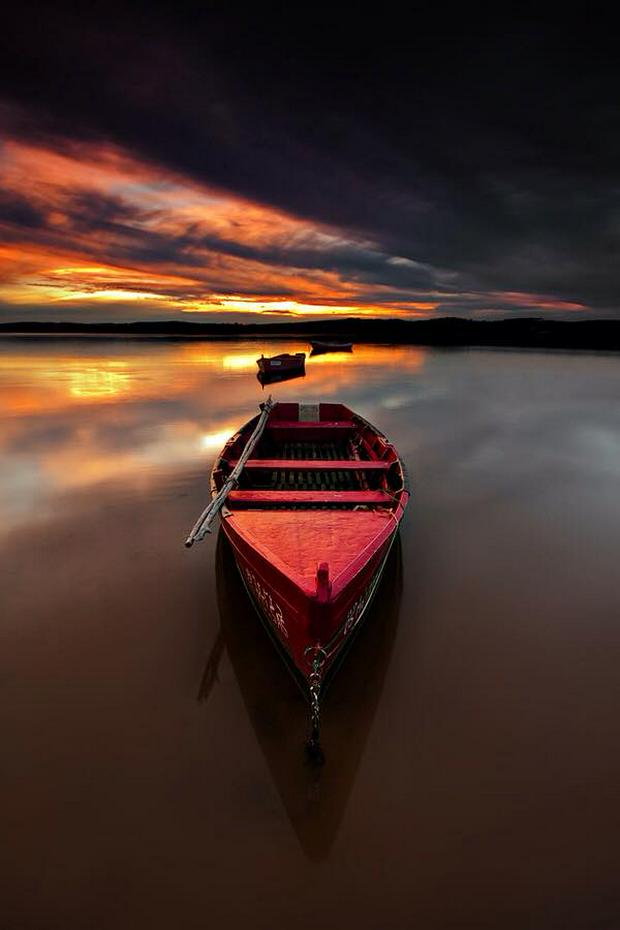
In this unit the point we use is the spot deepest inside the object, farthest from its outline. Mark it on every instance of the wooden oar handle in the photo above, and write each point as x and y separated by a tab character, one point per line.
203	523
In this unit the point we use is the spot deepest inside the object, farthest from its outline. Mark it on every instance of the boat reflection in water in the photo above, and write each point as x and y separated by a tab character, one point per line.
314	798
273	377
322	346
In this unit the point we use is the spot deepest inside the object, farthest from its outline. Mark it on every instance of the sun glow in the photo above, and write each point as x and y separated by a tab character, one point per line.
297	308
239	362
98	382
112	294
215	440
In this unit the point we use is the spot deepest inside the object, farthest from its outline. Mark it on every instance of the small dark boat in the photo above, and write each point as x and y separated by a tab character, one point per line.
319	346
311	517
278	364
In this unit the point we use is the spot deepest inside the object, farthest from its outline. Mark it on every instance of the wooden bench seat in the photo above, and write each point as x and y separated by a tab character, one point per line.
310	424
310	497
316	464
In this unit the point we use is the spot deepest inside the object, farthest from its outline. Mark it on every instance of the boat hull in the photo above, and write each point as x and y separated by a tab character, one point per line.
282	364
309	534
291	616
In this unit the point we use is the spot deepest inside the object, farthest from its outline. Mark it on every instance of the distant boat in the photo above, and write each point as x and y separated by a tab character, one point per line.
278	364
320	345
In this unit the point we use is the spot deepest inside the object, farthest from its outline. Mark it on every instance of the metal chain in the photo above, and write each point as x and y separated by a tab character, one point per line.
315	705
314	685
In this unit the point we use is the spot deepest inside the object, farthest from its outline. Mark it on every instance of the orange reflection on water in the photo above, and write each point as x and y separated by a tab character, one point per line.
75	414
99	382
240	362
412	357
59	383
329	374
217	439
47	380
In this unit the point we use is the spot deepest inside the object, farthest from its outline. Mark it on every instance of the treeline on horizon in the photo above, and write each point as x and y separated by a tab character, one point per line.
533	332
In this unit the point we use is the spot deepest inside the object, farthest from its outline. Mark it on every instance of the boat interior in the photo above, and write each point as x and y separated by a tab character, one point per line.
313	456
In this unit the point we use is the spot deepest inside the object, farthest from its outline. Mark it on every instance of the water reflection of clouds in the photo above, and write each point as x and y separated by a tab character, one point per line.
216	440
99	382
239	362
79	413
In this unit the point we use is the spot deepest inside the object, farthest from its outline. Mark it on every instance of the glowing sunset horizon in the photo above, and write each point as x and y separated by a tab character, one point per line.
95	234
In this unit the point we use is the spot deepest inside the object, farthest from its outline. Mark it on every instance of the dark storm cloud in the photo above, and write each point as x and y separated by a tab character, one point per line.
487	152
17	211
96	212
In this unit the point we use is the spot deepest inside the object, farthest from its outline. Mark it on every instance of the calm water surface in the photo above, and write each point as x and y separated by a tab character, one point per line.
152	770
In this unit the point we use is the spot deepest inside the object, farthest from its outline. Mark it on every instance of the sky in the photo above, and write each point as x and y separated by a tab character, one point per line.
212	163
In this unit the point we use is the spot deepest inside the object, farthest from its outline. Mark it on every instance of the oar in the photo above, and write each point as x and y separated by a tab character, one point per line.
202	526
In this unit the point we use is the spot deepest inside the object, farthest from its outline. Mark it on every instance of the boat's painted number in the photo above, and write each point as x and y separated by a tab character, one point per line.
354	613
264	597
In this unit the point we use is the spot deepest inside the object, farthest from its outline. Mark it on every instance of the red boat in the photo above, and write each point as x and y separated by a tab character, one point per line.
311	499
279	364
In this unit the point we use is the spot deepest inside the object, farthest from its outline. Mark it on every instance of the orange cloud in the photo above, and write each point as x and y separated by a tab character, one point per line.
91	227
113	230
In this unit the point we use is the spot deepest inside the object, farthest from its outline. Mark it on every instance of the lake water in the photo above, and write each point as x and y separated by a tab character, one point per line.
153	773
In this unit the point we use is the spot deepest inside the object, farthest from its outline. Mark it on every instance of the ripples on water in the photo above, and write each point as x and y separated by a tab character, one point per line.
151	739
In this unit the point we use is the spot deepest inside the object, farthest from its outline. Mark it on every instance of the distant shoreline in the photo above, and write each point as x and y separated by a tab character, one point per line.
532	332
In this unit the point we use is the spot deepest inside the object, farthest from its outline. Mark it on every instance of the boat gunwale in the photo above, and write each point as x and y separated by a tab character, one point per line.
405	489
